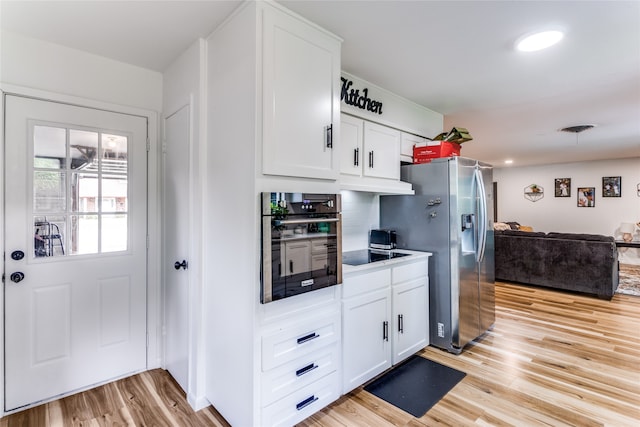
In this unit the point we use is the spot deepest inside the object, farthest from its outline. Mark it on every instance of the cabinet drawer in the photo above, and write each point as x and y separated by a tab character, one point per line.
289	377
302	403
410	271
319	246
319	262
358	284
302	338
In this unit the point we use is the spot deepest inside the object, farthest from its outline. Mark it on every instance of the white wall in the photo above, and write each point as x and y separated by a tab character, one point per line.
397	112
47	66
561	214
360	213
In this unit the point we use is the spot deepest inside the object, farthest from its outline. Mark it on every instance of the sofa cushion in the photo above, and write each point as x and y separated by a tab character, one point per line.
521	233
576	236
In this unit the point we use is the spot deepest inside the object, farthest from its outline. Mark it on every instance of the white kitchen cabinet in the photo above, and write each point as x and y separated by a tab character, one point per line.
410	318
369	149
271	90
407	141
300	103
351	141
297	257
382	151
366	343
370	157
385	318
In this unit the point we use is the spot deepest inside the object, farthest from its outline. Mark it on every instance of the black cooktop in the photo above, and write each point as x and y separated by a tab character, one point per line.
366	256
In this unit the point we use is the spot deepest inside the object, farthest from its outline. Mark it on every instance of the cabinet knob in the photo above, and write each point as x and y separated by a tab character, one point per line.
178	265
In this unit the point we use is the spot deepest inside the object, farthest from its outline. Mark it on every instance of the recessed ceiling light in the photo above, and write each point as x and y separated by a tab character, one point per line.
508	162
538	41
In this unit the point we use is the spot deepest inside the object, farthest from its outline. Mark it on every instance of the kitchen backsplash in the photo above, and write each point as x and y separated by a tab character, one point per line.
360	213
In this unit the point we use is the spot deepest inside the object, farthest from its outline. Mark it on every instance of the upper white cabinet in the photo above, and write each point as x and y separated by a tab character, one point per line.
407	141
382	149
370	157
351	149
301	104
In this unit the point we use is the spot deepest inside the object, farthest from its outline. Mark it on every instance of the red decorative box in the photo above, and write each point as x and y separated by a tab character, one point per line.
424	154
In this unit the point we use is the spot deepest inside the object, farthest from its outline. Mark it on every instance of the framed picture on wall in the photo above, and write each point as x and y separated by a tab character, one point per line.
586	197
611	186
563	187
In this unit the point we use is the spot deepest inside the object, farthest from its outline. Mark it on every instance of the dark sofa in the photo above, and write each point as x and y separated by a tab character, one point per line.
585	263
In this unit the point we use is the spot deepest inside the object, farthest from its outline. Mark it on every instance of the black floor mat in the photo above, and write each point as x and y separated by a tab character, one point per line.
415	385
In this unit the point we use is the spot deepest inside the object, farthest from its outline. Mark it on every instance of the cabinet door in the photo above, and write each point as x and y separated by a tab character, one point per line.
407	141
410	318
381	151
351	153
301	75
297	258
366	340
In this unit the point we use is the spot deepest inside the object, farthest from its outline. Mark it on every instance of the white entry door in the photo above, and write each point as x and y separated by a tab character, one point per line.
75	288
176	244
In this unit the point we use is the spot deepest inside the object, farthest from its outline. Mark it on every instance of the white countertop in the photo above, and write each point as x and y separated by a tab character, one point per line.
415	255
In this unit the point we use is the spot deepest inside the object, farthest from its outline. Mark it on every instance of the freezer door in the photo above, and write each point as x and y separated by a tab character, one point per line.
465	214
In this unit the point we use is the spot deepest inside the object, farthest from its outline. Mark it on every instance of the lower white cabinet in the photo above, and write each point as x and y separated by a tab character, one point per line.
366	344
302	403
410	318
300	363
385	319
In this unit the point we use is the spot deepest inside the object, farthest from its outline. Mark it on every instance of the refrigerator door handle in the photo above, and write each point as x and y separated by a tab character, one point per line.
482	215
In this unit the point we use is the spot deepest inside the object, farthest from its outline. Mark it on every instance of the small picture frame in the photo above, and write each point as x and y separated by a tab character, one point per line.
586	197
611	186
562	187
638	189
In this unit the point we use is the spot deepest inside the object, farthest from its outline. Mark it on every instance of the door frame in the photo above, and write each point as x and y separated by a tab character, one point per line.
154	305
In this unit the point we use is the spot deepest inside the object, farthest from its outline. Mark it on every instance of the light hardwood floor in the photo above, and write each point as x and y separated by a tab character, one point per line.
552	358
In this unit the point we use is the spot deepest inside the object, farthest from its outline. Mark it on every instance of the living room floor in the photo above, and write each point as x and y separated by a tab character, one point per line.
552	358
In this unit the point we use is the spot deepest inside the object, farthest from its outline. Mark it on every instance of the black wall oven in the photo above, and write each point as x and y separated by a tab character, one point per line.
301	243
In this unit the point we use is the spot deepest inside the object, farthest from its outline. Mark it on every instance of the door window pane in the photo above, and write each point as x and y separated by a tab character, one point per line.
49	147
114	149
49	192
84	192
49	236
84	234
83	148
114	194
88	168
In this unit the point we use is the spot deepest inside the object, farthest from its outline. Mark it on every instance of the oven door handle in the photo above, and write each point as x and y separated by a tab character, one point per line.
277	222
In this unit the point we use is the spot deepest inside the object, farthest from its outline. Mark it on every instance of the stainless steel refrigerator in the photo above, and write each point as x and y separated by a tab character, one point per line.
451	215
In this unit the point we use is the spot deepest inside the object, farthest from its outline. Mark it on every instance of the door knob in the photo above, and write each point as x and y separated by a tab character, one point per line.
17	255
179	265
17	276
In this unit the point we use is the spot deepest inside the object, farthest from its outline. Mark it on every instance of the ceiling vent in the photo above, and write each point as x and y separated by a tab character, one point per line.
577	128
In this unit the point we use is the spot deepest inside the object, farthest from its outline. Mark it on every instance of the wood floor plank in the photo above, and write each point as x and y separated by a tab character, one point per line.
552	359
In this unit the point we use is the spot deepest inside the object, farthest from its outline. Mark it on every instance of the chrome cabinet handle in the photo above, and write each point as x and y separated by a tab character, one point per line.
300	372
308	401
306	338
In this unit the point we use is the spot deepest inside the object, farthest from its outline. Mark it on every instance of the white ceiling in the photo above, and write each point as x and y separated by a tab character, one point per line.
455	57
